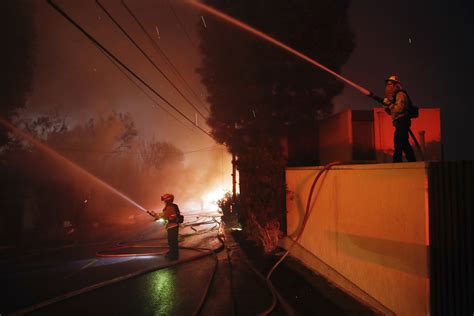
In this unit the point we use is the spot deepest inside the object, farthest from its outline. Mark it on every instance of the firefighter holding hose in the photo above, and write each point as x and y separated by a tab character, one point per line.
172	217
396	104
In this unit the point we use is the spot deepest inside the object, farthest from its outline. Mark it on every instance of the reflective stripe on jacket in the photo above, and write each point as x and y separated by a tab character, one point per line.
170	213
399	105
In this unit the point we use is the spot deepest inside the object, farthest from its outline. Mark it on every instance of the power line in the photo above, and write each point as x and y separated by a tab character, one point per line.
93	40
147	57
135	152
181	24
141	88
163	54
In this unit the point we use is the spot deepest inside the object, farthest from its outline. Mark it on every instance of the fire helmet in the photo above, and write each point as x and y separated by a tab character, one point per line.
167	197
393	78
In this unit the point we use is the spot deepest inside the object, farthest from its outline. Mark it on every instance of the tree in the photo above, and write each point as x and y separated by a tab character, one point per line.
18	37
159	155
47	189
258	93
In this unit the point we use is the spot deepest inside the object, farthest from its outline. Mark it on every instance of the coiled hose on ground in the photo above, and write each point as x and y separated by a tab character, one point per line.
203	252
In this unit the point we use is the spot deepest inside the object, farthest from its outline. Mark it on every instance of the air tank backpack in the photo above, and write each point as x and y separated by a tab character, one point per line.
179	217
412	110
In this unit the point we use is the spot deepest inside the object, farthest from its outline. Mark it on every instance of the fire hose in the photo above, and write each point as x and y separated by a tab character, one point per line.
260	34
380	100
308	212
203	252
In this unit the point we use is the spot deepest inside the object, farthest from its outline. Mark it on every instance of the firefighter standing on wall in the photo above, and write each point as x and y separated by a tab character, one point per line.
170	215
396	104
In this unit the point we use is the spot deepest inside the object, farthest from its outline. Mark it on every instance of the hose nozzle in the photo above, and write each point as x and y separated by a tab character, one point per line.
375	97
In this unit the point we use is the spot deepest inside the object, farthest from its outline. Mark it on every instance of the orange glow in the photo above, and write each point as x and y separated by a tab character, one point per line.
66	162
275	42
427	124
427	214
211	198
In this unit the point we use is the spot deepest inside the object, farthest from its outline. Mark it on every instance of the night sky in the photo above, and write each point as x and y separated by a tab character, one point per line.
75	77
429	45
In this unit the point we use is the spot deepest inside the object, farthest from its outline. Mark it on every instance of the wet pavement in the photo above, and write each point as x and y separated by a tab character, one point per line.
170	291
76	280
41	278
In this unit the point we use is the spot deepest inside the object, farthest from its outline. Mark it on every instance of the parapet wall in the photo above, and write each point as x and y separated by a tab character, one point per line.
367	231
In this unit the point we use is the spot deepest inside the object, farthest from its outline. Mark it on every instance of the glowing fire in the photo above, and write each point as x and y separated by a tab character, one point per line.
210	199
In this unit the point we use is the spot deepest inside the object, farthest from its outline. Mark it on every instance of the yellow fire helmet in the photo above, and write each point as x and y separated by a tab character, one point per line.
393	78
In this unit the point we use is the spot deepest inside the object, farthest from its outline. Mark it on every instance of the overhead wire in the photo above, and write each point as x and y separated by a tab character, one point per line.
142	90
117	24
181	24
106	152
163	55
97	43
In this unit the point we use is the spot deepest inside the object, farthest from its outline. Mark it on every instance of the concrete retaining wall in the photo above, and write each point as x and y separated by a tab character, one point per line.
368	226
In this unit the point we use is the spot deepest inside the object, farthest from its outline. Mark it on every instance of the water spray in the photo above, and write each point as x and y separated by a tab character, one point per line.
276	42
287	48
68	163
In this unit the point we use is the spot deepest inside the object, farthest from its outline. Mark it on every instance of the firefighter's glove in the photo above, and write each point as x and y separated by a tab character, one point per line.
386	102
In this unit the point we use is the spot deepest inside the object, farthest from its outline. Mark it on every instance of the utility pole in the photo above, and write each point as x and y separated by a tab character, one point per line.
234	181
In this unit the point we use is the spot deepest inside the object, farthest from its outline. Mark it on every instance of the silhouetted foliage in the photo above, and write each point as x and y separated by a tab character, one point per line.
258	91
40	192
18	36
229	205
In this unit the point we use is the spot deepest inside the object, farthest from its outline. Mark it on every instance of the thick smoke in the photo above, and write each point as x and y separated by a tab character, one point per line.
110	148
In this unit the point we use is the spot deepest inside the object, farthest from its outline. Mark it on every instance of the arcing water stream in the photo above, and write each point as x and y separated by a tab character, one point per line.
66	162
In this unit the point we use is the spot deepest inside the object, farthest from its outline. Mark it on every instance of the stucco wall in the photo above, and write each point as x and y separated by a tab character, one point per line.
335	137
368	223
